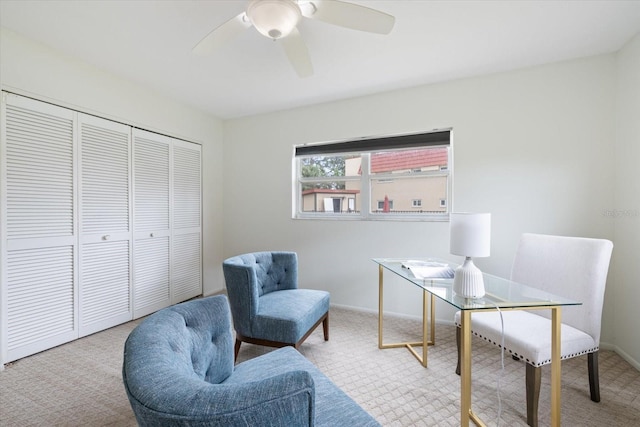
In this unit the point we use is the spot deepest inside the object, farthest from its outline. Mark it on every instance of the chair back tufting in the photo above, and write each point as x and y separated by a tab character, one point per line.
177	351
249	276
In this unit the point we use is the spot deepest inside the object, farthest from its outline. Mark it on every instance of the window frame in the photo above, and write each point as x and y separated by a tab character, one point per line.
378	202
366	179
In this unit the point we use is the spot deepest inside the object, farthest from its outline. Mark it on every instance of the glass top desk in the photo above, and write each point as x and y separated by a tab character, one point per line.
500	293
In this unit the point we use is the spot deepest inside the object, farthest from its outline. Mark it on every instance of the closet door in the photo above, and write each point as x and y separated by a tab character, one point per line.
39	250
186	260
151	248
105	231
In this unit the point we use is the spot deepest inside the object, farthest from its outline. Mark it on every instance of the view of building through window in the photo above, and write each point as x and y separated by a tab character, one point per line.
397	183
412	181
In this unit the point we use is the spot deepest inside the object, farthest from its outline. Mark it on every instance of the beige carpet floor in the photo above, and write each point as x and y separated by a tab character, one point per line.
79	384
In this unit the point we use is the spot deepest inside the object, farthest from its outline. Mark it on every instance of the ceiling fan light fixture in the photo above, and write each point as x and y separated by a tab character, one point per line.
274	18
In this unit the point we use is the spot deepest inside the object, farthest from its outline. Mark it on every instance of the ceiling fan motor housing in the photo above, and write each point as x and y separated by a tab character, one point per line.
274	18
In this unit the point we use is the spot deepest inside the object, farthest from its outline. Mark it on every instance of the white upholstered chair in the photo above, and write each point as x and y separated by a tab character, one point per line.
571	267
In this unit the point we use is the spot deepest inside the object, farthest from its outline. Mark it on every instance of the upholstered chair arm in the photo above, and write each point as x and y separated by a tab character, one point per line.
286	399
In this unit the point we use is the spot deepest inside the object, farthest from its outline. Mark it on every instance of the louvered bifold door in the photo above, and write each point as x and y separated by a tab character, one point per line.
151	246
186	260
38	253
105	231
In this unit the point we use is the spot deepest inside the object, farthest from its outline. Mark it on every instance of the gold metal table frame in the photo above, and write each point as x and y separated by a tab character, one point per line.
501	293
428	300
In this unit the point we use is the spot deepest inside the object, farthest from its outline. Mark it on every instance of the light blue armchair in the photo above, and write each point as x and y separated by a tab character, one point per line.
267	306
178	371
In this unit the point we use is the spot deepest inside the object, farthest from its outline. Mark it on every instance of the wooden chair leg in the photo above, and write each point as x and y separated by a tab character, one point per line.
458	337
594	381
236	349
533	376
325	327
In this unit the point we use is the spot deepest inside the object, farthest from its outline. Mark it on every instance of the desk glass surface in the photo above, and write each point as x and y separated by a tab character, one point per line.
499	292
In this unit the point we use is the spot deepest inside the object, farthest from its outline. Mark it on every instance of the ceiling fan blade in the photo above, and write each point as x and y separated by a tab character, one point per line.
297	52
349	15
222	34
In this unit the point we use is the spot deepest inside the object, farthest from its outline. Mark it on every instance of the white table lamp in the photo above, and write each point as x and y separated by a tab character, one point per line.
470	235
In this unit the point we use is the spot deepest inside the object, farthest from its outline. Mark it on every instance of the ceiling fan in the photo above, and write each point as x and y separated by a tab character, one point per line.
278	20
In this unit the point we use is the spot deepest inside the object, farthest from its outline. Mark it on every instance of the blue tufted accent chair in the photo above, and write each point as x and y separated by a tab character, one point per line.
178	370
267	306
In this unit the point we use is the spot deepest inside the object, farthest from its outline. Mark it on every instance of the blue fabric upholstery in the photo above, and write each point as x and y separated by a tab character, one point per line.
178	371
265	300
332	406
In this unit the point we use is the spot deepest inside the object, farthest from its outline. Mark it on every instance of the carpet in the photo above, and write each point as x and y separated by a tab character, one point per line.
80	383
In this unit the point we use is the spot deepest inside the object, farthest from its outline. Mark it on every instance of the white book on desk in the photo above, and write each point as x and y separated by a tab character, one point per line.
429	269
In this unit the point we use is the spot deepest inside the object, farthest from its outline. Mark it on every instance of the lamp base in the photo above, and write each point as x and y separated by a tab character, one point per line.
468	281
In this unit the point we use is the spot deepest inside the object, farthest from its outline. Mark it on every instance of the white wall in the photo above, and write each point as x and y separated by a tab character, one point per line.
533	147
623	315
33	69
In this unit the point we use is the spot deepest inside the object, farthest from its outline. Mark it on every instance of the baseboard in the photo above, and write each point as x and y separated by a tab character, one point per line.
219	292
371	311
390	314
621	353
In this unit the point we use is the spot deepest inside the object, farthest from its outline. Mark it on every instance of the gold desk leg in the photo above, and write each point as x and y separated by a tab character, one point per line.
477	421
465	368
409	345
380	304
425	341
433	320
556	321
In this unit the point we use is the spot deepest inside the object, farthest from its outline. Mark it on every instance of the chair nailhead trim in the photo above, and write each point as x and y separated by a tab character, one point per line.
542	363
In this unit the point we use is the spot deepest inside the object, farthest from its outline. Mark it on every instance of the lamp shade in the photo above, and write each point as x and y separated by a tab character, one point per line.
274	18
470	234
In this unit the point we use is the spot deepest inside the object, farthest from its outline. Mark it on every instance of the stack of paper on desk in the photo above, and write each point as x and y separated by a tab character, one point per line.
429	269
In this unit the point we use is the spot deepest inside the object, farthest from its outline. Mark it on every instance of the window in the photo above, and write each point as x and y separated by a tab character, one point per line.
396	177
385	205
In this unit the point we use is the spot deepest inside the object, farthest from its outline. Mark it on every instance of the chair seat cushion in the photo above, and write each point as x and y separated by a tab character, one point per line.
285	316
333	407
528	335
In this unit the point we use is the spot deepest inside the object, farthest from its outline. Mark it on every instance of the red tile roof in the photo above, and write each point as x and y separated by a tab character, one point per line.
411	159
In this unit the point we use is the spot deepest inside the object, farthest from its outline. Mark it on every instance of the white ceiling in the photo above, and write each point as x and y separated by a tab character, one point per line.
150	43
